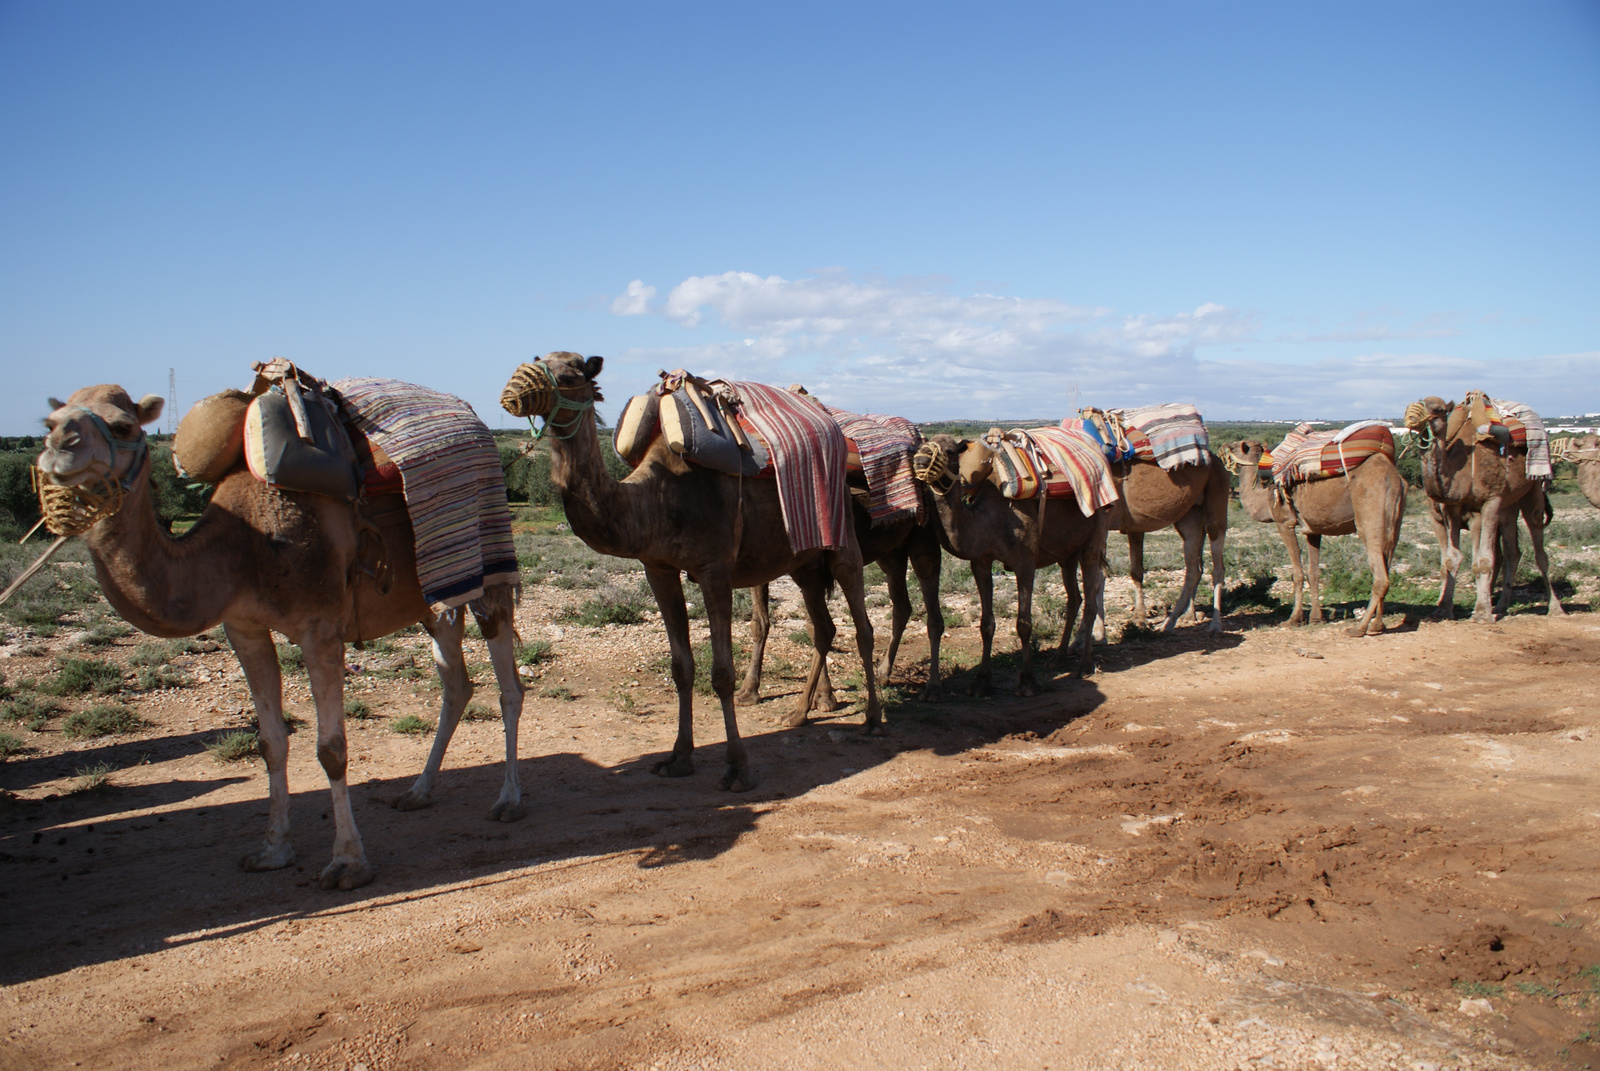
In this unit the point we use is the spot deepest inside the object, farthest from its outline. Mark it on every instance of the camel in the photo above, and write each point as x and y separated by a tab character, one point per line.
1584	452
979	524
1473	485
261	560
674	517
1191	498
1370	502
893	546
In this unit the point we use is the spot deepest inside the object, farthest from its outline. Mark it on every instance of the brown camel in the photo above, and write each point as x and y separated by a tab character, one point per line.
892	546
674	518
1191	498
1370	502
1475	487
261	560
1584	451
980	525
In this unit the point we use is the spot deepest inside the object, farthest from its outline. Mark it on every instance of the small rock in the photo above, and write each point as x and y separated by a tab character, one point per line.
1167	937
1303	653
1055	877
836	735
1475	1006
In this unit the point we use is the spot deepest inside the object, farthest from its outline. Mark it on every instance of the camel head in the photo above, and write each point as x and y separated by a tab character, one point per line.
937	462
1435	414
1246	453
95	434
556	383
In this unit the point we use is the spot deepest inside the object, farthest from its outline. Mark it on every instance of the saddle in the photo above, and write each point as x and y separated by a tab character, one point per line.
699	419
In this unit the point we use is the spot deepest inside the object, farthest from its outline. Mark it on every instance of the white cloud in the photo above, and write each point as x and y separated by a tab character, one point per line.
635	301
914	347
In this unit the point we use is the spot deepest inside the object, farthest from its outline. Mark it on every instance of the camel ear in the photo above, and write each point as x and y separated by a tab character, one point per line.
55	403
150	407
591	367
1449	407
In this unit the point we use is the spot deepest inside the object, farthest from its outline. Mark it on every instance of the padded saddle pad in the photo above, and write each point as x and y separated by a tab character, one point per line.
278	457
711	445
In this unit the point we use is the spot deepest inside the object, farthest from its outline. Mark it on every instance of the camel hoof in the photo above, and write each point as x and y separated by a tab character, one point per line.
1441	615
1027	689
412	801
1293	622
796	718
345	876
824	703
931	693
506	811
980	687
673	767
736	780
268	858
875	728
1556	610
743	698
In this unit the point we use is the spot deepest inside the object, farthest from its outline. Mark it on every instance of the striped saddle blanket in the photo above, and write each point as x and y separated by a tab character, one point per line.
1170	435
1060	462
880	448
1315	455
1505	425
450	473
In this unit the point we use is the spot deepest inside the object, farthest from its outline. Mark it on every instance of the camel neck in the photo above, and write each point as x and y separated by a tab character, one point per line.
161	584
596	504
1255	498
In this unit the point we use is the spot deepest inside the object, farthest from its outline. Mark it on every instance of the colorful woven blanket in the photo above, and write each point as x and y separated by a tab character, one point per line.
1170	435
885	445
1313	455
1064	461
808	452
1533	435
454	489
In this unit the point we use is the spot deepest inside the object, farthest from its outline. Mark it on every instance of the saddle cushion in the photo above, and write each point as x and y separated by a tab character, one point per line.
209	442
637	428
709	444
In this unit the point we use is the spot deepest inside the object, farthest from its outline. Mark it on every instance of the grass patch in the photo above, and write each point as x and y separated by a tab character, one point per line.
76	676
91	778
355	708
234	746
622	697
30	709
411	725
531	654
800	636
104	634
154	678
160	653
478	712
291	659
9	745
1477	989
106	719
601	611
558	691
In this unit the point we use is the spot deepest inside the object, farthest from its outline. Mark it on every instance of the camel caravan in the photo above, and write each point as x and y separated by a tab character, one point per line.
342	512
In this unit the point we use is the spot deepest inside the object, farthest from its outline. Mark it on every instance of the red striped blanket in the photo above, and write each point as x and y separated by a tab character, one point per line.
1176	432
454	489
885	445
808	452
1066	462
1313	455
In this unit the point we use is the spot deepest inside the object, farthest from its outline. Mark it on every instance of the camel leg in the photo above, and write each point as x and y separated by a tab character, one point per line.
1069	581
847	569
1371	623
1219	577
926	561
667	586
1510	546
1141	613
894	574
1099	599
447	630
1485	527
259	659
1314	553
1533	511
1448	534
982	681
1291	540
814	589
718	592
1027	683
324	655
1193	529
749	694
1092	559
496	620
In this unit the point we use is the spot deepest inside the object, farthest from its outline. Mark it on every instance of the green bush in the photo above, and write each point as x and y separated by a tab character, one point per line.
410	724
531	654
601	611
479	712
75	676
10	745
153	678
19	506
30	709
355	708
234	746
91	778
175	496
106	719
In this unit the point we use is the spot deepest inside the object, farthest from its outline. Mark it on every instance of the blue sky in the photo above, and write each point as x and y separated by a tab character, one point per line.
987	210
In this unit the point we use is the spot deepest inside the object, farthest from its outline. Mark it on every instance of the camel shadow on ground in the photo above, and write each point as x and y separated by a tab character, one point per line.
128	869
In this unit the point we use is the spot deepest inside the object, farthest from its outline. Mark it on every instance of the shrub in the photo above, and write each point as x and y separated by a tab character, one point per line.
234	746
92	778
107	719
105	634
557	691
479	712
9	745
75	676
30	709
531	654
355	708
411	725
151	678
601	611
291	659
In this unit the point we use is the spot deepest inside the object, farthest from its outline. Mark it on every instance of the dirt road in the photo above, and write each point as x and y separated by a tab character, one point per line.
1260	849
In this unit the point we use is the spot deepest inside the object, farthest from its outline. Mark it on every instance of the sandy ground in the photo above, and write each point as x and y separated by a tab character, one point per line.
1267	848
